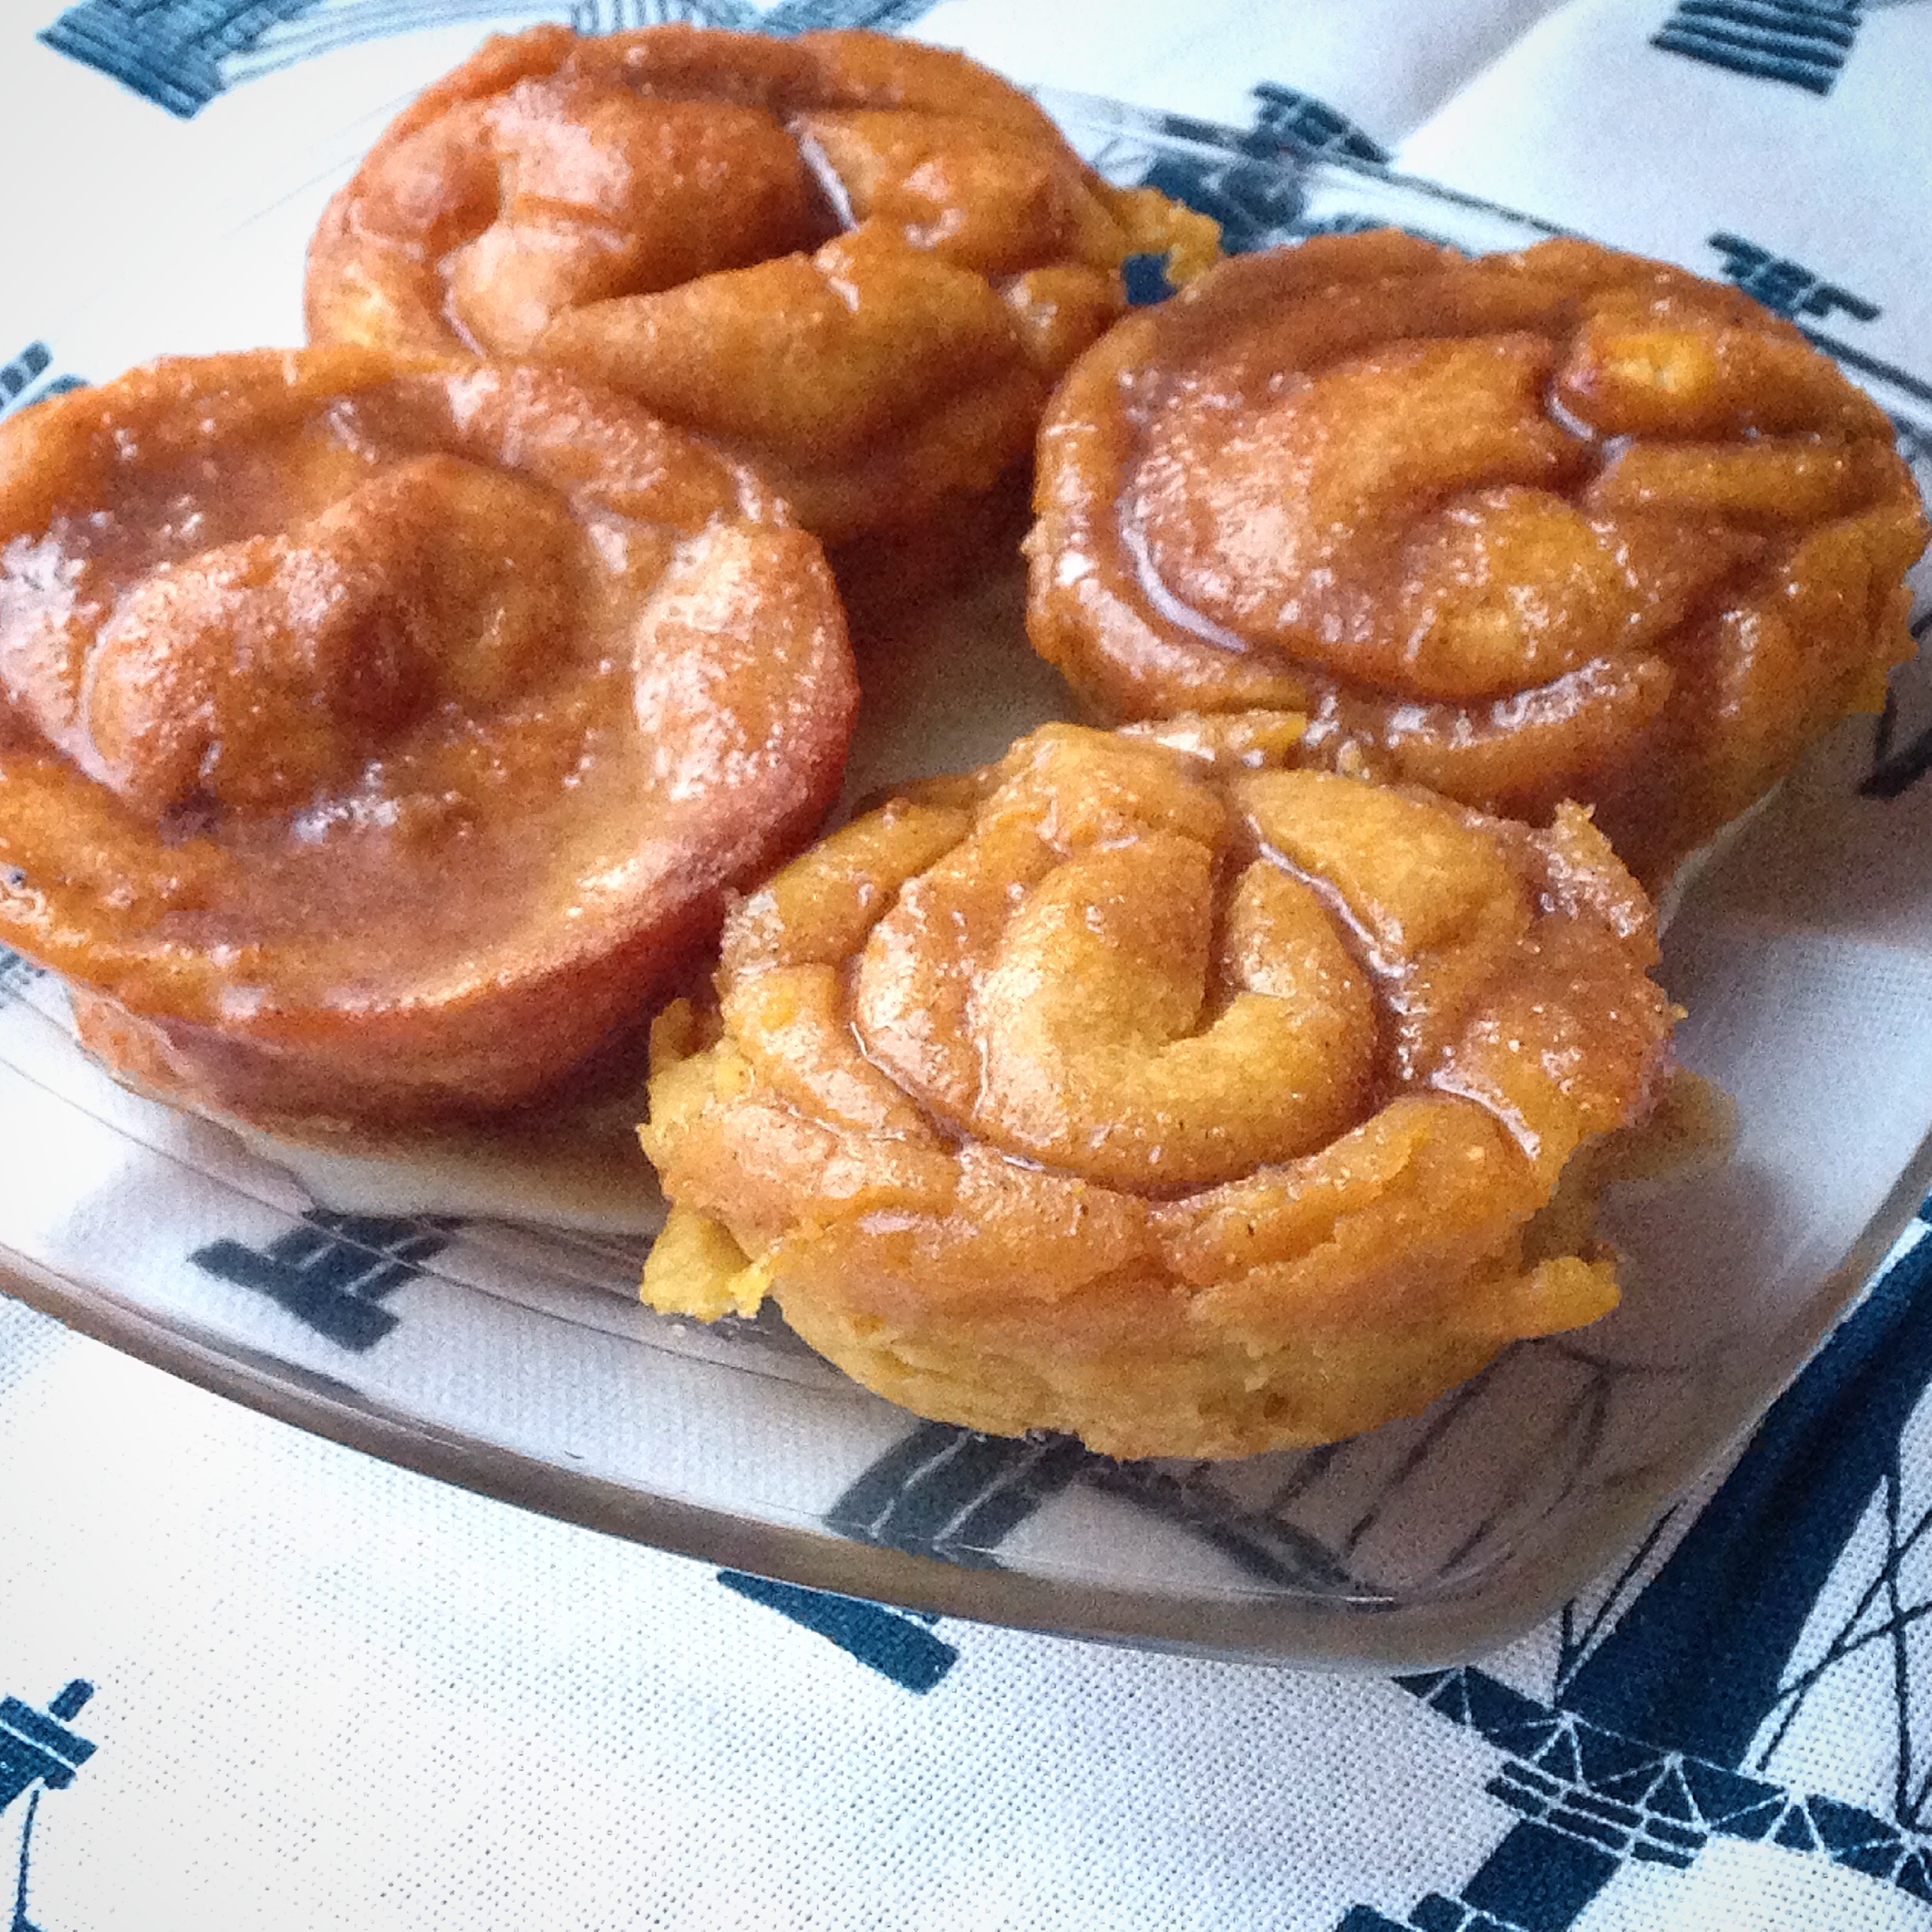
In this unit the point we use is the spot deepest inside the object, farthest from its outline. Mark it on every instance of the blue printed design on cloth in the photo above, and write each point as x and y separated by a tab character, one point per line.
333	1271
1897	766
26	368
895	1643
1640	1754
181	53
1645	1752
1803	43
1788	286
38	1753
20	378
1286	113
949	1492
15	973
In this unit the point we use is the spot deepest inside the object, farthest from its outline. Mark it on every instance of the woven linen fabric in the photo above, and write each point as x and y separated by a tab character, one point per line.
248	1679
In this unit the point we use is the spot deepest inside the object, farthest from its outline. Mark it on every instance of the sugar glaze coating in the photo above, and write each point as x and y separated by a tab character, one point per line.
375	735
1562	524
1195	1104
858	262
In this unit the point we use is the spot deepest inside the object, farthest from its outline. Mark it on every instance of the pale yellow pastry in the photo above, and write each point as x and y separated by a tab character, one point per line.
1187	1100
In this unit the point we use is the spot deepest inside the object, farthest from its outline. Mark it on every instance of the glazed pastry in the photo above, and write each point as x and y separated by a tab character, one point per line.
858	262
1562	524
1198	1105
375	736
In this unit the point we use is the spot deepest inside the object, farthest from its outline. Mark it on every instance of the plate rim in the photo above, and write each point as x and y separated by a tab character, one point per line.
1466	1621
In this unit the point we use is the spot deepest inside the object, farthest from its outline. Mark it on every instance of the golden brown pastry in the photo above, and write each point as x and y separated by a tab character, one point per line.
1198	1105
1559	524
375	735
859	262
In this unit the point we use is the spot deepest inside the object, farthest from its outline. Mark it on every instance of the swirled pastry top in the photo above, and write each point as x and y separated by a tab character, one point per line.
1562	523
860	261
372	734
1194	1106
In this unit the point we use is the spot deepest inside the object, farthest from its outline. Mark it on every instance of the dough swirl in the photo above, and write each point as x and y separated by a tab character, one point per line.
859	263
376	735
1197	1105
1562	524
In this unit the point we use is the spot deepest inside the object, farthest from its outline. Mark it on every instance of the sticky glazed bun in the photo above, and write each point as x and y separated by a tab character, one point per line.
858	262
1184	1099
1559	524
375	735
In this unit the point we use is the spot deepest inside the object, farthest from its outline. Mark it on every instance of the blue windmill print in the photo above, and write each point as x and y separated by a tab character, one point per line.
181	53
38	1753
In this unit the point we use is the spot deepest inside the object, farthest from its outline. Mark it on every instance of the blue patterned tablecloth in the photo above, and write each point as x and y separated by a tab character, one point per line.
248	1679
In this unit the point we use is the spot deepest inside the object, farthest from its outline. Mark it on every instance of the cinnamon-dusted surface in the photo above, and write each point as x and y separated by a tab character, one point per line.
1197	1105
1560	524
859	262
375	735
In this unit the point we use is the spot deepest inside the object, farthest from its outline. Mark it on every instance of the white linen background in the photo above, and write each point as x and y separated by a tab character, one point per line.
331	1694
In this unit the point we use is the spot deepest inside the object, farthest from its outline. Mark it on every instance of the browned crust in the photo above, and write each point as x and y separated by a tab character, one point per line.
515	1014
1667	738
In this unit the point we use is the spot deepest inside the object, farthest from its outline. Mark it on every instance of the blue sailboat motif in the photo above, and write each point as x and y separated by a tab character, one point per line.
38	1753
